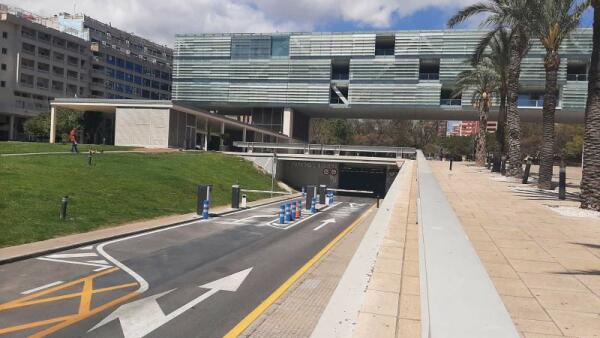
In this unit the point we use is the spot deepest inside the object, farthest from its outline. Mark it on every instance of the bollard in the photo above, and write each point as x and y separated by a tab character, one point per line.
293	212
562	182
203	194
90	158
205	210
63	207
298	209
327	199
527	170
503	165
235	196
287	213
451	161
377	197
322	193
282	214
332	197
244	203
313	206
303	192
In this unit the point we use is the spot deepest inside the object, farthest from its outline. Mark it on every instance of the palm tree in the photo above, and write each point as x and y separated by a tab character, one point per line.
590	183
551	23
484	81
495	46
511	14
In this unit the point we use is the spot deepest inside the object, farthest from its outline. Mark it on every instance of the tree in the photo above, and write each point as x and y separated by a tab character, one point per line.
551	23
38	127
511	14
485	82
590	183
495	46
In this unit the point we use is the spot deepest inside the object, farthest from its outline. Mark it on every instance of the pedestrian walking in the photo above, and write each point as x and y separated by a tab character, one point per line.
73	139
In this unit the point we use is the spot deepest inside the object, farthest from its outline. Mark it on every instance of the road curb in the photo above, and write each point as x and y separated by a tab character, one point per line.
46	251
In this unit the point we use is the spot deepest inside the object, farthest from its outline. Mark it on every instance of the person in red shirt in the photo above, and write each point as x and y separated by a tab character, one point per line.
73	139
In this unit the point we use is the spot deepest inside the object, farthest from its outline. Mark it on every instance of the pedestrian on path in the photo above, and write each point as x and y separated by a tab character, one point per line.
73	139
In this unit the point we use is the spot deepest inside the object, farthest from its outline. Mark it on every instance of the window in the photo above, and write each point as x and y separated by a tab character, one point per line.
5	35
429	69
4	51
120	75
120	63
2	84
138	80
250	47
129	65
3	66
128	77
43	67
384	45
577	70
110	60
138	68
280	46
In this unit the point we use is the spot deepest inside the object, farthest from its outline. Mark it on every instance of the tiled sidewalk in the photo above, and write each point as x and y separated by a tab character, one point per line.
392	303
546	267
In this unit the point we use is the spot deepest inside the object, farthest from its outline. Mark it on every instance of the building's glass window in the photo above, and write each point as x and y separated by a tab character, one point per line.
129	65
155	85
146	83
429	69
138	68
4	51
280	46
5	35
128	89
110	72
119	87
250	47
534	100
120	75
110	60
120	63
145	94
384	45
128	77
164	86
2	84
138	80
165	76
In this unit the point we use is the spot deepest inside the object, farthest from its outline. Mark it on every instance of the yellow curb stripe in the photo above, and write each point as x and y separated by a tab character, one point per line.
251	317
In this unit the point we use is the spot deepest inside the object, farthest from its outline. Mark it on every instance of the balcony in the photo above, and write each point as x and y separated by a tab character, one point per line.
450	102
429	76
384	52
577	77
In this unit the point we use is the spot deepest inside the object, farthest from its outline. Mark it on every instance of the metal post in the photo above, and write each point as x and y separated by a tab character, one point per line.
322	193
90	158
203	194
527	170
273	171
377	198
235	196
451	161
52	124
63	207
562	182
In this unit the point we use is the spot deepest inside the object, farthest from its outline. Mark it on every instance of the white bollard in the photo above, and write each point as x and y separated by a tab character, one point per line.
244	201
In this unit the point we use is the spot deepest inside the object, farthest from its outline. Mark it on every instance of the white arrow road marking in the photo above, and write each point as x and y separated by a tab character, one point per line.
42	287
324	223
143	316
100	266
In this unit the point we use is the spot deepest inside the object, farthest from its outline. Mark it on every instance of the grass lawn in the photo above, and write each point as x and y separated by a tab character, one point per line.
118	188
40	147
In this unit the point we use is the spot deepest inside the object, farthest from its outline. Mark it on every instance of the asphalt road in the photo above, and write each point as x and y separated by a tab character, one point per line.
197	279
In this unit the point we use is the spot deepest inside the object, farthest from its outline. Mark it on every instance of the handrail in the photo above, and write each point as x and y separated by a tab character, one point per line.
323	147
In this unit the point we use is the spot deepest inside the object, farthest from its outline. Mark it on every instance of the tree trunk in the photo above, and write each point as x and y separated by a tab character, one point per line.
513	120
590	183
500	130
551	63
480	150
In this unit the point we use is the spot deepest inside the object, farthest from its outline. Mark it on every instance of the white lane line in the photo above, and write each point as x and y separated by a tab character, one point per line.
89	247
275	223
42	287
143	283
74	255
247	219
99	261
73	262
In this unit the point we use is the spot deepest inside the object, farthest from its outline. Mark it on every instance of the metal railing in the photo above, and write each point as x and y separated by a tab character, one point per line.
429	76
577	77
340	76
450	102
384	51
307	147
531	103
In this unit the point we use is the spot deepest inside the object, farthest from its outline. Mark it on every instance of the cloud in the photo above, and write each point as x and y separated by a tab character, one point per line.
160	20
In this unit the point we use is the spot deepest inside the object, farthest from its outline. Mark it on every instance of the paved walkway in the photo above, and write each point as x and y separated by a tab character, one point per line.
546	267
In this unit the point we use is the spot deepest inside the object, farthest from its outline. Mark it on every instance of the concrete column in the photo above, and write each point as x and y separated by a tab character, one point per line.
288	121
222	132
52	124
244	135
11	127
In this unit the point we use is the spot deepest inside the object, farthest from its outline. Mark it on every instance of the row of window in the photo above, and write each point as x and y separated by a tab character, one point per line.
123	76
47	68
46	53
135	67
27	80
53	40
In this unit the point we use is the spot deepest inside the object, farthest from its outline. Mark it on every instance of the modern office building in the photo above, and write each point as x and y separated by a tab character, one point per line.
72	56
282	80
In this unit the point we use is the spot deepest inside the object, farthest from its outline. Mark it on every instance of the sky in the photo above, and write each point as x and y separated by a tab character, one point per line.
160	20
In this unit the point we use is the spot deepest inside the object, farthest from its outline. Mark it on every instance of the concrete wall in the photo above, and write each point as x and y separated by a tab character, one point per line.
144	127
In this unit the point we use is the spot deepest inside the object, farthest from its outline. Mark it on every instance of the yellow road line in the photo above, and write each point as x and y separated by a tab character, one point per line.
34	324
77	318
11	304
251	317
86	295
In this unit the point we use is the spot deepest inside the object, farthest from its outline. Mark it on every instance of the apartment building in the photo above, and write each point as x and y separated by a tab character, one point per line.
37	64
66	56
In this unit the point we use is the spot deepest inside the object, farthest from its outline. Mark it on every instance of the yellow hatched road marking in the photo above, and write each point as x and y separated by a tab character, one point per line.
84	310
251	317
